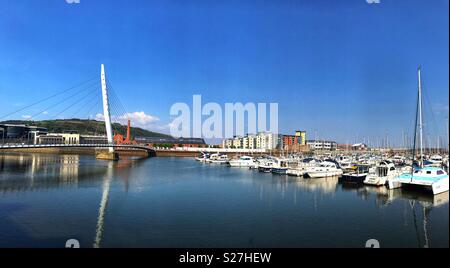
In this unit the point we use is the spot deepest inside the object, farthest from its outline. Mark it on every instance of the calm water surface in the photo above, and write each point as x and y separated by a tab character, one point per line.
178	202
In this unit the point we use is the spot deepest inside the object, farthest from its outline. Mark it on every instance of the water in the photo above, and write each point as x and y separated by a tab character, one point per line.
178	202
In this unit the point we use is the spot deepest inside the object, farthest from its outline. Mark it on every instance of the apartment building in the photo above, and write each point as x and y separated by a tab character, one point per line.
321	145
263	140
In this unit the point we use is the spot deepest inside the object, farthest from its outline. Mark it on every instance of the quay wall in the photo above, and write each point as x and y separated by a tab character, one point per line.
78	151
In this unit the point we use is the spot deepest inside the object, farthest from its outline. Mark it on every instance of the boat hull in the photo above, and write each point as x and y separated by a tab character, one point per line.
438	186
354	178
240	164
265	169
375	181
323	174
280	171
295	172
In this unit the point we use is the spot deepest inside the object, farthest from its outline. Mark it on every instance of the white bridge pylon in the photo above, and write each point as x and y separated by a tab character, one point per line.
106	113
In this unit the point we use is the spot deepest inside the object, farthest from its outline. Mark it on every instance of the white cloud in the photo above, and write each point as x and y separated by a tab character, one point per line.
138	119
99	117
27	117
44	112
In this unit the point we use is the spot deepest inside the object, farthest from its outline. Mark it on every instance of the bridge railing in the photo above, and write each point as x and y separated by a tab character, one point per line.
18	146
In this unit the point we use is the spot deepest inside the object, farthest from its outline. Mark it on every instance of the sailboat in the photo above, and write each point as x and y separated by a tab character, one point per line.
430	178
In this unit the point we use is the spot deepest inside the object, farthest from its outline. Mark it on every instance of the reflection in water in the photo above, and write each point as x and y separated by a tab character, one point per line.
23	172
103	204
385	196
426	201
283	184
177	202
325	185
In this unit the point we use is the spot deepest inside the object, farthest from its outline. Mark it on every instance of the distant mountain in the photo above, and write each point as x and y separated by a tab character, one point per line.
86	127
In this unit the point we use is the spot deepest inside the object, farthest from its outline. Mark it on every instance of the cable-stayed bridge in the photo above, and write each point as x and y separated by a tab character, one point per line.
100	145
80	101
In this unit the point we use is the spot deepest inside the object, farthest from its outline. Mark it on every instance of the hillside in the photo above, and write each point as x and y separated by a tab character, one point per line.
86	127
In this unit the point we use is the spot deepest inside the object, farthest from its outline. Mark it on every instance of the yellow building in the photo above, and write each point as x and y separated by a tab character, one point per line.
302	137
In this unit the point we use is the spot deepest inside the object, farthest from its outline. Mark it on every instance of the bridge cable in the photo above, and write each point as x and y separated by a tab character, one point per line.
118	100
74	103
114	102
121	106
89	102
118	115
47	98
66	99
89	110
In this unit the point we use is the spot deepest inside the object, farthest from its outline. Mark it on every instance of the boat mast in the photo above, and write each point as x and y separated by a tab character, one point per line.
420	120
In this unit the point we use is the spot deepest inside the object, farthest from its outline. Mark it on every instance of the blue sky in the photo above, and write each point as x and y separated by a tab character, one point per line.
341	69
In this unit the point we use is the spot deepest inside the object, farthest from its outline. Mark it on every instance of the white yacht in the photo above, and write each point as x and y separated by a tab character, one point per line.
383	171
280	166
257	162
266	166
435	160
221	159
302	167
431	178
243	161
344	161
398	160
203	157
212	157
324	169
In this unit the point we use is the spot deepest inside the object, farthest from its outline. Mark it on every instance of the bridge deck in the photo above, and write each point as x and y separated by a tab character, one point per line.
33	146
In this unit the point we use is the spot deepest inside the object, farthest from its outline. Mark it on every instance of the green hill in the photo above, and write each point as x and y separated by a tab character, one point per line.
86	127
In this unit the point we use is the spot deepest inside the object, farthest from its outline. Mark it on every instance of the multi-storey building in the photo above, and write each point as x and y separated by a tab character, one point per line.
263	140
251	141
295	142
237	142
248	142
228	143
301	137
70	138
321	145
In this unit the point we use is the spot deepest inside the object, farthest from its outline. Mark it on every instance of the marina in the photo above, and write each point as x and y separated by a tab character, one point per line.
181	202
254	191
379	171
215	130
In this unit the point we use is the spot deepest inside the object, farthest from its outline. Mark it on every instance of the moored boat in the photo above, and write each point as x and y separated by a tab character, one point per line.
433	179
243	161
280	166
383	171
265	166
203	157
435	160
221	159
357	175
300	169
324	169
